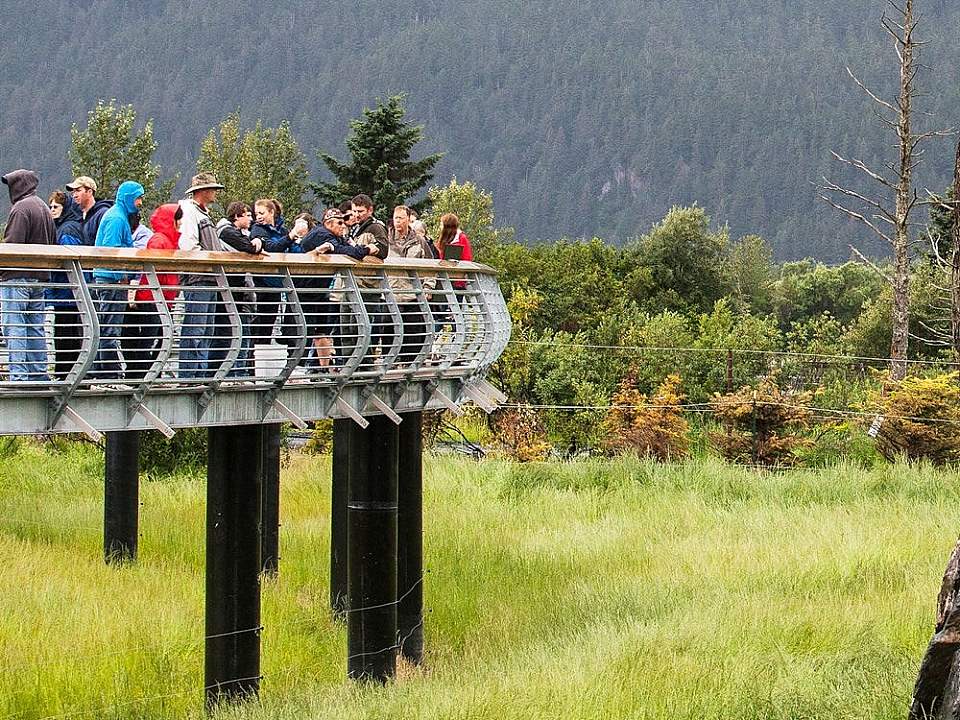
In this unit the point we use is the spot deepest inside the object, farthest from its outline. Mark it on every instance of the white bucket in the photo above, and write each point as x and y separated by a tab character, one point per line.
269	360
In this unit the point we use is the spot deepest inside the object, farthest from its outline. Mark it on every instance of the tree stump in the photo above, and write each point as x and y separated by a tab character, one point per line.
936	696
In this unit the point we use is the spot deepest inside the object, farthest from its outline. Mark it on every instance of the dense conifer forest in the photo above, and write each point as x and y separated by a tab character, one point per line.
583	118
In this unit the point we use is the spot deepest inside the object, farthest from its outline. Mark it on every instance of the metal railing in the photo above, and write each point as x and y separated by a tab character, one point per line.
84	322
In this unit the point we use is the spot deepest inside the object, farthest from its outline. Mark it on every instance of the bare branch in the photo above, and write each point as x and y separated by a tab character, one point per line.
861	166
873	266
870	93
829	186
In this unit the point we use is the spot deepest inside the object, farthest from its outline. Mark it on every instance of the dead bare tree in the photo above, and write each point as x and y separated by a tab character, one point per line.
874	211
944	331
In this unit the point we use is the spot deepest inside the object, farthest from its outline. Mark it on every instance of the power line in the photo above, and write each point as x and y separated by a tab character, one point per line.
735	351
711	408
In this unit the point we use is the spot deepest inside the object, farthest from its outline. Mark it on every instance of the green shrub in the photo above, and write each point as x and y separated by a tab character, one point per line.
9	446
918	417
185	452
762	425
520	435
651	428
321	439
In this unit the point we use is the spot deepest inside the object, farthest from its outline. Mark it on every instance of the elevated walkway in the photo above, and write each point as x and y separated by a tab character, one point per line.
351	339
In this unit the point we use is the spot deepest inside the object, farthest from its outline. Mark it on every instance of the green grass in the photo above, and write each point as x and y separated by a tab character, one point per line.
599	589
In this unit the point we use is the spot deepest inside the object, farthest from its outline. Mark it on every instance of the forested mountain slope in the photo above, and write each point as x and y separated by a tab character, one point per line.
583	117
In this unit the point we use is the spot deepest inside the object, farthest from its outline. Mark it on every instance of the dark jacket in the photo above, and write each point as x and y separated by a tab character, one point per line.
70	224
378	230
69	232
275	239
314	239
233	238
320	235
91	223
29	222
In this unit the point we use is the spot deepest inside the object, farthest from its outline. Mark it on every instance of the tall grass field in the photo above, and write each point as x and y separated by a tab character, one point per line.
598	589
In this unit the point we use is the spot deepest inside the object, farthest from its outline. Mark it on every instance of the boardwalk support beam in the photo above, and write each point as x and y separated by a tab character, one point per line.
372	556
121	496
232	652
410	538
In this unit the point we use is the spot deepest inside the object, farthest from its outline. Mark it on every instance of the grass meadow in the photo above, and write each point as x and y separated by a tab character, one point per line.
596	589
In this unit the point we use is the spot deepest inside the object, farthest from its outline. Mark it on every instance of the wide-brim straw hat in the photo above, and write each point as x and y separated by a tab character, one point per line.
203	181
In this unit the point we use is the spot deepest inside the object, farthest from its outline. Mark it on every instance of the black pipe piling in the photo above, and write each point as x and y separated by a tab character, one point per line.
232	652
342	433
270	463
410	537
121	496
372	557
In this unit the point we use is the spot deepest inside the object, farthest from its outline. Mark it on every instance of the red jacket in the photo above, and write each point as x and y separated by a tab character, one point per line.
165	237
462	240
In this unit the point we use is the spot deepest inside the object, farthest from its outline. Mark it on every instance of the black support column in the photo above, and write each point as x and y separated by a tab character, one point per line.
410	538
121	496
232	659
270	449
343	431
372	556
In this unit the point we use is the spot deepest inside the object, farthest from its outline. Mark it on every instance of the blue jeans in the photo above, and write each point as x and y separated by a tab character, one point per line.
23	328
196	335
111	309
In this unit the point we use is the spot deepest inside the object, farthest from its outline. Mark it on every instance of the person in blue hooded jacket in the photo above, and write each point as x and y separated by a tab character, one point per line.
109	286
67	325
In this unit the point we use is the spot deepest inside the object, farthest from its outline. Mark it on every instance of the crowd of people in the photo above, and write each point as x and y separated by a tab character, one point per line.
130	321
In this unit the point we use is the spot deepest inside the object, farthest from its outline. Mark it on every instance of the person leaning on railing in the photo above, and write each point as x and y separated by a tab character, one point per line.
269	229
67	323
234	233
405	242
143	345
21	292
321	312
197	232
111	299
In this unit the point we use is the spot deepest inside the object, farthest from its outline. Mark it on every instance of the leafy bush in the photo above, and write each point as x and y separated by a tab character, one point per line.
654	428
520	434
321	439
918	417
185	452
763	424
9	446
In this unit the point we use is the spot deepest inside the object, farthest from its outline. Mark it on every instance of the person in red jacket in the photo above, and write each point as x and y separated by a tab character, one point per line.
165	222
454	243
452	235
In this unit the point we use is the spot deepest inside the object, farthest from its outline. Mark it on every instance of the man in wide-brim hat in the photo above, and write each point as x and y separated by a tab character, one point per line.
203	181
197	232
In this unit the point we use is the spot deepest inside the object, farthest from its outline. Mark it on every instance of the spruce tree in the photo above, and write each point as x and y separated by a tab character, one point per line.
111	152
380	144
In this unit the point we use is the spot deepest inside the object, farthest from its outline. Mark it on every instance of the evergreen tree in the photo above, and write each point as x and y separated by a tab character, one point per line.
111	152
262	162
380	145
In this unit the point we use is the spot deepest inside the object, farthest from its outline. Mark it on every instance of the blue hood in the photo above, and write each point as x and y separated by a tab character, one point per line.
127	193
71	212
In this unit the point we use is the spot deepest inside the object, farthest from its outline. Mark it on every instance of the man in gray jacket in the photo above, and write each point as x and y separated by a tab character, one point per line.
197	232
21	291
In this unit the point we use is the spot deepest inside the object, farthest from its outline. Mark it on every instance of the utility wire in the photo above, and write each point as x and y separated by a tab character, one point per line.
724	350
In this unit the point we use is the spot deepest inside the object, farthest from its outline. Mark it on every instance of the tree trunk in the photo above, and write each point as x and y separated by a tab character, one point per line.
955	263
900	339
